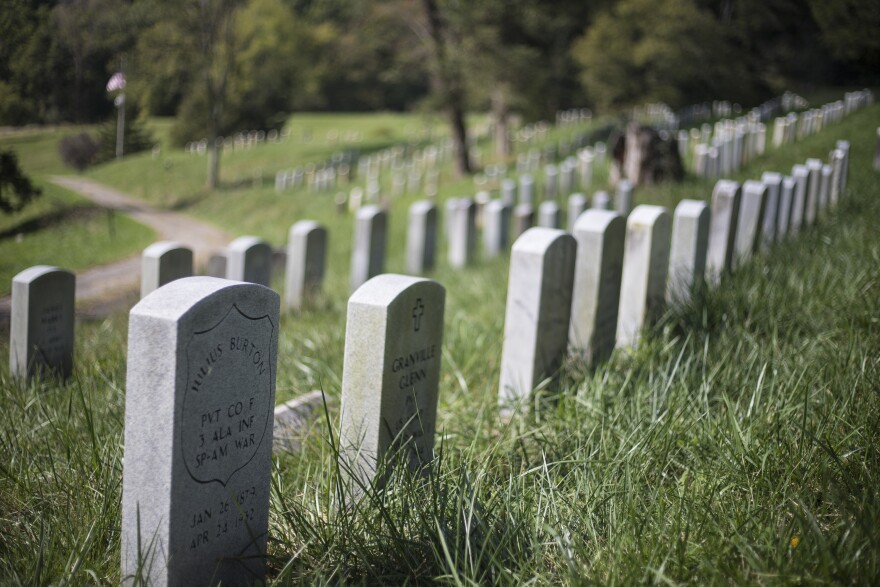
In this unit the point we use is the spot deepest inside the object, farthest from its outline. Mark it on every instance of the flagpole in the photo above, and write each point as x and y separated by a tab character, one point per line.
120	125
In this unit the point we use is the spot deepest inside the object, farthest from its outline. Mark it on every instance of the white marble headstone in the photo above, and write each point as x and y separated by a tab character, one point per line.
306	256
249	258
687	256
163	262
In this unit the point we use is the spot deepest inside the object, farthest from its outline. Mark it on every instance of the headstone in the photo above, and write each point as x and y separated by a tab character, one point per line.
844	146
751	221
687	253
799	199
645	267
814	176
164	262
523	219
549	215
508	192
623	199
391	370
199	400
217	265
837	162
824	188
596	292
537	311
783	218
368	246
601	201
449	211
722	229
496	228
577	203
249	258
585	165
463	233
526	190
421	237
306	256
773	181
41	322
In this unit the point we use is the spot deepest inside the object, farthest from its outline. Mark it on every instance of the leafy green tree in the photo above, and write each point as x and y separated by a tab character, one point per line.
16	189
850	30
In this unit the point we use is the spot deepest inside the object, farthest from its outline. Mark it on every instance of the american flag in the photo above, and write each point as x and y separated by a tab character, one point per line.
116	83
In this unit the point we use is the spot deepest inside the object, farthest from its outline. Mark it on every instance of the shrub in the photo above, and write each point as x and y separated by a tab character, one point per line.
16	188
78	151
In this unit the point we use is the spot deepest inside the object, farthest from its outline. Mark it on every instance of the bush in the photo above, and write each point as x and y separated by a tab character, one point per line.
78	151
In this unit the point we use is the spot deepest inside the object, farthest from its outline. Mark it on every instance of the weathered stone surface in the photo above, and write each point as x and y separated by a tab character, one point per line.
814	176
496	228
773	181
200	394
596	291
645	267
687	256
368	246
722	229
537	313
249	258
463	233
799	198
162	263
306	257
786	198
393	348
41	322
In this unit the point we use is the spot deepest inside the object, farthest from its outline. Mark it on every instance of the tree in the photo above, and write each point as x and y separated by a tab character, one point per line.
849	29
16	189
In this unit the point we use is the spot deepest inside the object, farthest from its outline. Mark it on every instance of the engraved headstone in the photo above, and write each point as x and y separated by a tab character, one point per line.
523	219
814	176
496	228
722	229
391	370
751	221
368	246
549	215
577	203
645	267
463	233
687	253
799	198
306	256
41	322
773	181
200	394
164	262
596	292
421	237
249	258
537	311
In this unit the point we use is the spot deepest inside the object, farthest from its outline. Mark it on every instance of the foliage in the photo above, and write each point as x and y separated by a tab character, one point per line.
79	151
16	189
136	136
849	28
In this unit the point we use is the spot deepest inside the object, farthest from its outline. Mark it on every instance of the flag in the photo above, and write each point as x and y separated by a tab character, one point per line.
116	83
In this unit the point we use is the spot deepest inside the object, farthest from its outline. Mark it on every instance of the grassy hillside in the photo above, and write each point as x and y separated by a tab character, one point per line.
739	444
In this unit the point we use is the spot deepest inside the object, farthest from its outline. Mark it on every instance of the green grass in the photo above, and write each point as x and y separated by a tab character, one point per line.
739	444
66	230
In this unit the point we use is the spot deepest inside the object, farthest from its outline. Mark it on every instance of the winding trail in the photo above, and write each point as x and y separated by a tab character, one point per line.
101	290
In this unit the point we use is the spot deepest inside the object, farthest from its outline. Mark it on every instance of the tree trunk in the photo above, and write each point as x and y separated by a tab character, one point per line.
213	165
501	114
449	86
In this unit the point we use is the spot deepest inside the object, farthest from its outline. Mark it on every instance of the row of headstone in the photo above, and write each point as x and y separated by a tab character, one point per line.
595	289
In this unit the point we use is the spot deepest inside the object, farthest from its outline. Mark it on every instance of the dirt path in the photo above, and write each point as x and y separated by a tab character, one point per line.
103	289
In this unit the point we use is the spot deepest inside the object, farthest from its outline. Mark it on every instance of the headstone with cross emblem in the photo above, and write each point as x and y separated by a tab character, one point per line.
393	340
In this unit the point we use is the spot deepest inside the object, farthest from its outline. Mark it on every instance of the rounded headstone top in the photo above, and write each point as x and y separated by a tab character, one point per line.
594	219
647	214
382	289
691	208
159	248
33	273
174	299
243	243
539	239
305	226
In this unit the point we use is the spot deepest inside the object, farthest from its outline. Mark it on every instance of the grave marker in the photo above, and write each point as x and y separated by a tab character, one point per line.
577	203
773	181
523	219
463	233
421	237
624	197
783	219
596	288
496	228
751	221
645	267
814	176
601	201
537	312
249	258
163	262
549	215
200	394
799	198
722	229
368	246
41	322
391	370
306	256
687	252
824	187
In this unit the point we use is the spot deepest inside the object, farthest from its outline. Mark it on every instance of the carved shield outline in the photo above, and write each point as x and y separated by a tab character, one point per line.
270	408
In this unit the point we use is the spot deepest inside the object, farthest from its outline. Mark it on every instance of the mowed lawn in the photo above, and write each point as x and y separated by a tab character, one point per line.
739	444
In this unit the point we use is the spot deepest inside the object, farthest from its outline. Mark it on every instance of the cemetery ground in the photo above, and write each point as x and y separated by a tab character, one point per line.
738	444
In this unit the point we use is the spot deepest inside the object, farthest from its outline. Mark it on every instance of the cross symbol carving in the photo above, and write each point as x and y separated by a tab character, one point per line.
417	313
